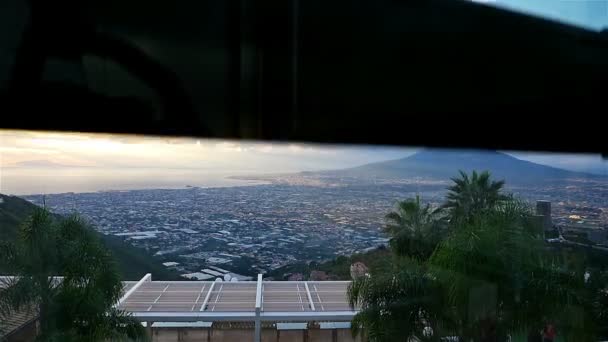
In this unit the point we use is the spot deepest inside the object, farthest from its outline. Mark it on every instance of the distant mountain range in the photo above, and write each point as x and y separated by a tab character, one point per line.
442	164
133	263
588	163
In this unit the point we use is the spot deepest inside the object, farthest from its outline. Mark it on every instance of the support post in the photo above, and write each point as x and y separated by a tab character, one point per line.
149	330
258	326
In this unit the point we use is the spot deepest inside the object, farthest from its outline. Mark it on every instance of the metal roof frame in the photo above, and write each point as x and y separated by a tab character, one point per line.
144	298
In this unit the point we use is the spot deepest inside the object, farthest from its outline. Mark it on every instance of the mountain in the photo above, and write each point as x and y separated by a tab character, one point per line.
133	263
441	164
587	163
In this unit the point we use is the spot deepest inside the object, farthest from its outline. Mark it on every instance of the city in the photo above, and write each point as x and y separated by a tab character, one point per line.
206	232
244	229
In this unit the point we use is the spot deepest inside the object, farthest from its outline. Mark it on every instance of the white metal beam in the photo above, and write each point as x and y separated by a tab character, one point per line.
147	277
308	316
258	293
208	316
194	316
207	297
312	305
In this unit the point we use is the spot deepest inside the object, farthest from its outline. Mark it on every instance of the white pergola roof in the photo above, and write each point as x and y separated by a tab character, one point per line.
190	301
204	302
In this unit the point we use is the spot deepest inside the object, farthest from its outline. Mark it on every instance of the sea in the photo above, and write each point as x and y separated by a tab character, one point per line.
15	181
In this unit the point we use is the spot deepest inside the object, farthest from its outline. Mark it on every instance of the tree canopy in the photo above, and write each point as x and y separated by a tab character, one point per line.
489	277
470	196
414	228
62	271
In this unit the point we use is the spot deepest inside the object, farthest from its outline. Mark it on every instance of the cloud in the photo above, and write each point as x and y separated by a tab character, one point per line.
42	151
26	149
45	164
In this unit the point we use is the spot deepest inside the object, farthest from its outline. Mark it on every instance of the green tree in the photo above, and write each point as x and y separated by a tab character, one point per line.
492	277
407	302
415	229
469	196
78	306
502	281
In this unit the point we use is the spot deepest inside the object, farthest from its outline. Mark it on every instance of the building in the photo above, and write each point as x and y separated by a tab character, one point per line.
21	326
241	311
216	311
543	209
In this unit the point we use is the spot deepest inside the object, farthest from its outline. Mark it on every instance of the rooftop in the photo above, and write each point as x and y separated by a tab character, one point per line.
201	303
184	301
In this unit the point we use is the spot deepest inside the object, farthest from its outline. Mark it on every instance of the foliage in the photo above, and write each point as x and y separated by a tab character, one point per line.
78	306
415	229
598	300
132	262
500	279
378	260
398	305
489	278
470	196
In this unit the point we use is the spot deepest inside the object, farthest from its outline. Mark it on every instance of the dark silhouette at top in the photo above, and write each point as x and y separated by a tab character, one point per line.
64	30
347	71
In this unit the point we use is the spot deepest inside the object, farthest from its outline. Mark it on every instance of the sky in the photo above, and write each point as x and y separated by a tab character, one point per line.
590	14
46	162
51	162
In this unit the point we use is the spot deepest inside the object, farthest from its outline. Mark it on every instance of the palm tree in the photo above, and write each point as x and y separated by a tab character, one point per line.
415	229
472	195
405	304
475	264
78	306
406	301
490	277
501	280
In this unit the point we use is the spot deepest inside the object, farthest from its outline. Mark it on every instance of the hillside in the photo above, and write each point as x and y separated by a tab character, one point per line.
442	164
133	263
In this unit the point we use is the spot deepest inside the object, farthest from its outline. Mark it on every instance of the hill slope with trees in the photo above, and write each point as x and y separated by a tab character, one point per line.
133	263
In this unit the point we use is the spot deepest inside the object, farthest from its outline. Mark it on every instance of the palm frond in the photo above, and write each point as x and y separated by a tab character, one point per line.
17	294
80	307
395	307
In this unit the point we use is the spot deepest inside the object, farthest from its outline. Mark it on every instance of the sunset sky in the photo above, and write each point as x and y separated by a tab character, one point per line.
21	149
36	162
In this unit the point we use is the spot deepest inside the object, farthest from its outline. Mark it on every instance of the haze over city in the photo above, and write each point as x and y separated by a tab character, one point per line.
51	162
